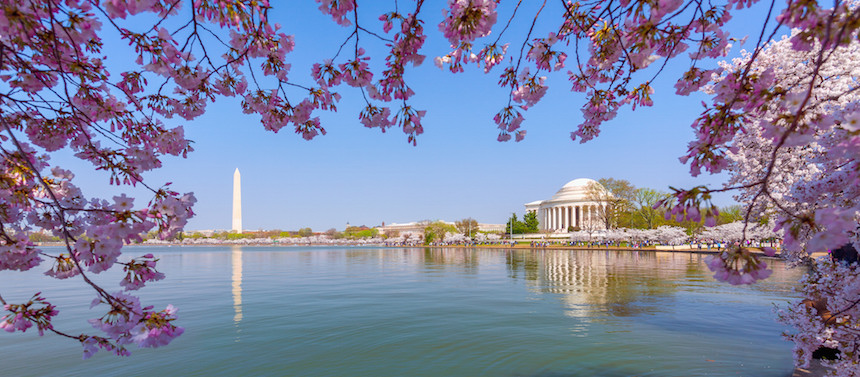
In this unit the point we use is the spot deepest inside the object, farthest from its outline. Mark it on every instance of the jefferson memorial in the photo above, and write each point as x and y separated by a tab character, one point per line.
572	206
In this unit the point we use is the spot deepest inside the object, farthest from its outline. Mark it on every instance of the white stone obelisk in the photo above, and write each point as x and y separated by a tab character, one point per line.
237	202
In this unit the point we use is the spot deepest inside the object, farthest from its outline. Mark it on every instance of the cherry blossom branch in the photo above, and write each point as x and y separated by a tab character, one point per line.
792	127
526	40
832	319
511	18
58	208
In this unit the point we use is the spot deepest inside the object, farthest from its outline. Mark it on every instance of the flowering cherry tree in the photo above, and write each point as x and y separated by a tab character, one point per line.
794	160
739	230
783	120
670	235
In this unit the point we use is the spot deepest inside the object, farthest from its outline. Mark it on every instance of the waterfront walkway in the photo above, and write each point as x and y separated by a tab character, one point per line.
680	248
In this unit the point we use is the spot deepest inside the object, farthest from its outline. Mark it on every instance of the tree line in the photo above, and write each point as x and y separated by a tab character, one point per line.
628	206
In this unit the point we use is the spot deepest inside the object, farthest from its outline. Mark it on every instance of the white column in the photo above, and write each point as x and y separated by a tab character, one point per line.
548	212
560	217
571	218
569	209
543	218
564	218
548	223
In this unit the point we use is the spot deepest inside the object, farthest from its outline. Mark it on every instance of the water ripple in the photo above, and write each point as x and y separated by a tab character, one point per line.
427	312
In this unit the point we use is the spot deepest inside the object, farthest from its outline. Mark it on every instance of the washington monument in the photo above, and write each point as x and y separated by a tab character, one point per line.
237	202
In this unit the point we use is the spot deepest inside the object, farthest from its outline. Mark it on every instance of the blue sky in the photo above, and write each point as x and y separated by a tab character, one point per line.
458	170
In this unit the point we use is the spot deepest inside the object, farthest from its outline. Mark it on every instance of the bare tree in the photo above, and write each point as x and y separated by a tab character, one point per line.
614	197
467	226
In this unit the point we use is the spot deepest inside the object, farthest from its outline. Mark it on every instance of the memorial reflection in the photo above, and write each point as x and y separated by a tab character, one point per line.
596	284
236	254
600	283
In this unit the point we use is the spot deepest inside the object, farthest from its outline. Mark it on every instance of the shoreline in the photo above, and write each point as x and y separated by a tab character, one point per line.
683	249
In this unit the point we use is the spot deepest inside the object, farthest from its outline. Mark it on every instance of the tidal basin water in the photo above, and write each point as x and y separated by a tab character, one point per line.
314	311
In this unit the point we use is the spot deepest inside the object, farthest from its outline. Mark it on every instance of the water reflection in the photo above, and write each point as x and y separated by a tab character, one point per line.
436	259
236	253
595	284
428	312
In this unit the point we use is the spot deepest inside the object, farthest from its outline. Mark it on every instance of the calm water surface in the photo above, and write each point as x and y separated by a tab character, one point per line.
421	312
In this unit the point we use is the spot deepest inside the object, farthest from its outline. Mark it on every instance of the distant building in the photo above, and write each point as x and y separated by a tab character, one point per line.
417	227
491	227
574	205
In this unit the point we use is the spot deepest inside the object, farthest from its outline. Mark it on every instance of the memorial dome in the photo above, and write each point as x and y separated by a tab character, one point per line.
573	206
575	190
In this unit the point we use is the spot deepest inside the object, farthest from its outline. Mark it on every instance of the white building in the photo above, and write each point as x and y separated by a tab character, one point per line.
417	227
572	206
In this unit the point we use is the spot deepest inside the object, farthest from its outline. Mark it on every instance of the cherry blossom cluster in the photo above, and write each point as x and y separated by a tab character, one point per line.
782	125
740	231
686	205
22	316
467	20
126	322
355	71
138	272
738	266
544	56
338	9
509	120
836	285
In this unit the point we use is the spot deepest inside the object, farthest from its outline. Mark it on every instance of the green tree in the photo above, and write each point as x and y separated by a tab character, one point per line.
730	214
530	221
519	226
467	226
305	232
43	237
644	200
355	232
436	230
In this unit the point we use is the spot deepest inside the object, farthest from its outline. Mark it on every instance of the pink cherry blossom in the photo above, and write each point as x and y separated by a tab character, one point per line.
466	20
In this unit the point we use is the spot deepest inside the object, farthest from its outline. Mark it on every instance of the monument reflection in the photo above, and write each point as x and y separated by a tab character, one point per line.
236	254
